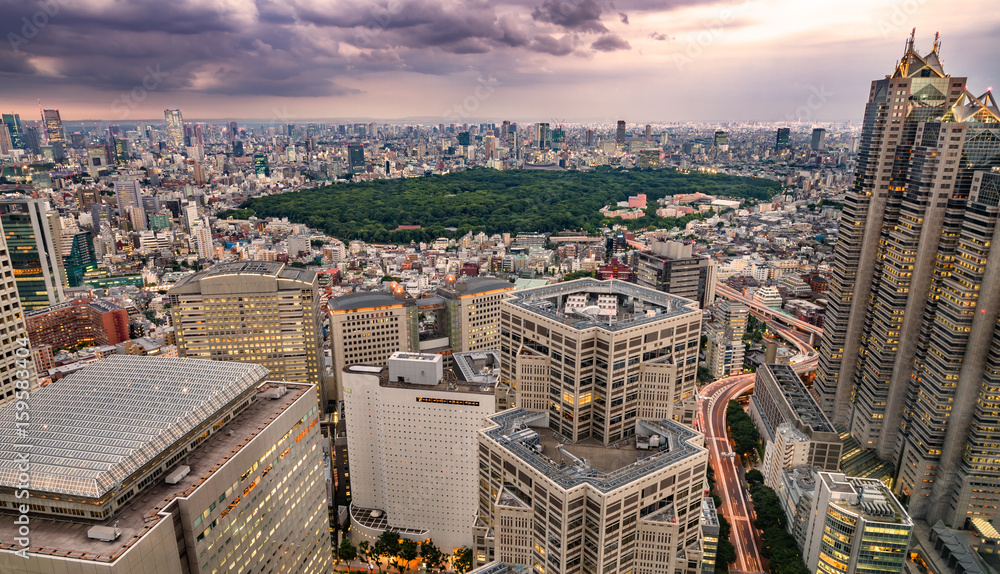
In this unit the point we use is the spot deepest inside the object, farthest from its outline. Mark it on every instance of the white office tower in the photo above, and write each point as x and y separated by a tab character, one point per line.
856	525
164	466
411	443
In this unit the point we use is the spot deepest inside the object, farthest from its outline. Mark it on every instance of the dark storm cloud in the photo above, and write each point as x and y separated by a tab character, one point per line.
610	43
581	15
303	48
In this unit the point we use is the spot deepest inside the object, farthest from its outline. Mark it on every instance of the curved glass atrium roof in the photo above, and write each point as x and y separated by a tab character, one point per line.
94	428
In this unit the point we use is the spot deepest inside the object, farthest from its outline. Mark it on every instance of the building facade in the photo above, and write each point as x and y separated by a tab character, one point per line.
671	267
209	469
78	322
905	356
585	507
34	254
780	397
411	442
255	312
13	364
856	525
598	355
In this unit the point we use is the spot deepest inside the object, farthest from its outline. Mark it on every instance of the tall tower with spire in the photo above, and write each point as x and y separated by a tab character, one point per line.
910	274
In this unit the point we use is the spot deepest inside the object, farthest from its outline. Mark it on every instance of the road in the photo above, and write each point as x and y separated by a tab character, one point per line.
729	483
728	292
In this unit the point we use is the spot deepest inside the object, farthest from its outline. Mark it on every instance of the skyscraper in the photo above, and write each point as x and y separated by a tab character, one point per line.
175	129
34	253
818	139
5	144
260	165
781	140
910	345
543	137
620	132
356	158
12	363
53	126
14	129
254	312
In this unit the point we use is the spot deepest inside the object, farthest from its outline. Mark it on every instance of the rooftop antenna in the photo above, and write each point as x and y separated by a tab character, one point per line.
910	42
937	42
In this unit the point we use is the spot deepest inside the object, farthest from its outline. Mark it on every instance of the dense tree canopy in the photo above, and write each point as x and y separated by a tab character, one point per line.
491	201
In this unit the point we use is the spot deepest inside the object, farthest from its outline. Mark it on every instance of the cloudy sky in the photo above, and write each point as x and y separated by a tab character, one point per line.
449	60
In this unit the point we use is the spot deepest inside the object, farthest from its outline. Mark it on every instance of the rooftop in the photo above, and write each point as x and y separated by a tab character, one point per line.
448	384
635	305
800	399
67	536
589	462
482	367
103	423
259	268
474	286
365	300
865	497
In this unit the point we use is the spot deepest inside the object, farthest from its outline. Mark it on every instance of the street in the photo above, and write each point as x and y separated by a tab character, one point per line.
729	485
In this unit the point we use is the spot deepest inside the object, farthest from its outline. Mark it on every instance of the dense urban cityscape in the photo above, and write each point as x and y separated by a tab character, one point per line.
501	346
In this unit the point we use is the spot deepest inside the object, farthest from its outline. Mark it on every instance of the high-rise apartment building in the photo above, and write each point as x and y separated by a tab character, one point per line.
818	139
175	129
17	370
856	525
599	355
671	266
620	133
412	444
906	357
585	507
34	253
781	139
724	354
253	312
53	126
166	465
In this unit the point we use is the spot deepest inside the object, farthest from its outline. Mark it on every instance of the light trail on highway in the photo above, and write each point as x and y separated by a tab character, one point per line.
729	486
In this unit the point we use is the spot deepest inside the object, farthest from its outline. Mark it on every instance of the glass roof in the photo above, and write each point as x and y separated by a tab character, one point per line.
94	428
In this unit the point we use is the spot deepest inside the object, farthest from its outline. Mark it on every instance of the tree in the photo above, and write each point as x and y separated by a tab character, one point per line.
432	556
754	477
387	547
366	552
463	560
407	553
347	551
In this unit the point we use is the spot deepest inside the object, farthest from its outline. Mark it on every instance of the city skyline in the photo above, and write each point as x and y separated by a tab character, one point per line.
463	61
